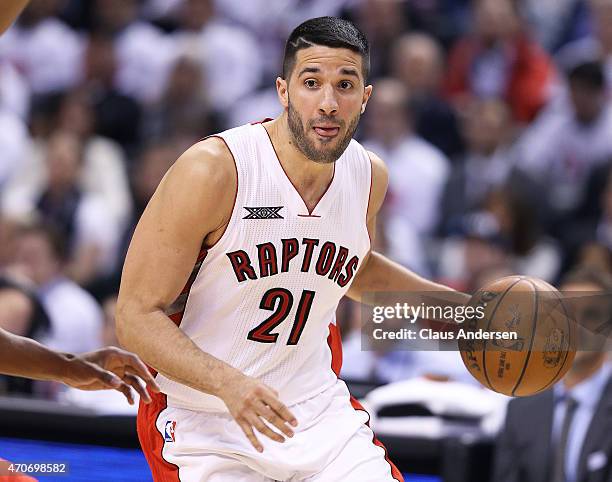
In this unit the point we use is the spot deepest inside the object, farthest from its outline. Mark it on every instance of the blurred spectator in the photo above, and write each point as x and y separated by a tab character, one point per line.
117	116
382	21
144	54
230	59
566	143
21	313
562	434
499	60
82	217
152	165
556	22
487	164
589	233
505	234
43	48
14	90
532	253
183	108
254	107
417	173
444	19
479	247
20	310
597	47
109	337
102	174
418	61
271	26
13	144
76	318
603	231
8	234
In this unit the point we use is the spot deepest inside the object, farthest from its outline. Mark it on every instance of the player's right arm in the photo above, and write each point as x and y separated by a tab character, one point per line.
193	204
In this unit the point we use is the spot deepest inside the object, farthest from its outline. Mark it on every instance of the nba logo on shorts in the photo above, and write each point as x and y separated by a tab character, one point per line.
169	431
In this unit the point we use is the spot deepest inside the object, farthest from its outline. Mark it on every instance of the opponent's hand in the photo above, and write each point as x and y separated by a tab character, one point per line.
255	405
110	368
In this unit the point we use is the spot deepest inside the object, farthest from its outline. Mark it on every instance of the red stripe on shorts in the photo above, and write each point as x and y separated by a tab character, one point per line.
334	341
152	441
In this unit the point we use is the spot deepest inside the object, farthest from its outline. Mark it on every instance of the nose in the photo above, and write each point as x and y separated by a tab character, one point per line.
328	104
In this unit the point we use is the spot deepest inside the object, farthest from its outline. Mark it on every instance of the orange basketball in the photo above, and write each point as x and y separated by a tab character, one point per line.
525	340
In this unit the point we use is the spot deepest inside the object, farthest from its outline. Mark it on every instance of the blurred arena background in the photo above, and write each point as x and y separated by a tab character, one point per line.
494	118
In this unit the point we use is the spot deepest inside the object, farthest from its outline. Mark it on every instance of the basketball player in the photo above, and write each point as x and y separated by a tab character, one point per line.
234	273
107	368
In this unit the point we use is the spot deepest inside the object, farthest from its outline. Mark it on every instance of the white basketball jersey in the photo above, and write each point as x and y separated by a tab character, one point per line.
264	297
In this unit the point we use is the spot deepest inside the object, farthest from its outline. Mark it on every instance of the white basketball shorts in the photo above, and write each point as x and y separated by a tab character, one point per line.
332	442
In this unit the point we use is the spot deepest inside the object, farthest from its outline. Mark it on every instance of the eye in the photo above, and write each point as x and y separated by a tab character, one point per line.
310	83
345	85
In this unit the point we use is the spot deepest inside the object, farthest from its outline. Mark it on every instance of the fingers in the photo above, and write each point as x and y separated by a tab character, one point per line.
280	408
263	429
124	363
272	417
248	431
127	393
108	378
137	367
134	382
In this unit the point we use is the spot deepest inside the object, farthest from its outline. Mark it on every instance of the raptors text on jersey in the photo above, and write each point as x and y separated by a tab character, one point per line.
263	298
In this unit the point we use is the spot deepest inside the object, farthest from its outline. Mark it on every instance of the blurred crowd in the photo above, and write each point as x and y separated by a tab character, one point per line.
493	116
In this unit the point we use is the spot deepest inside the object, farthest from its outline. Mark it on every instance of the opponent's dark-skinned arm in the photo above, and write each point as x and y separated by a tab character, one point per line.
107	368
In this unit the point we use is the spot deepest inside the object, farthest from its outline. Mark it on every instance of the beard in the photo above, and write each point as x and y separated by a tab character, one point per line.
330	152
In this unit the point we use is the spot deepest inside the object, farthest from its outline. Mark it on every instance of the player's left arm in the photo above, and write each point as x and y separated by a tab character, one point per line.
378	273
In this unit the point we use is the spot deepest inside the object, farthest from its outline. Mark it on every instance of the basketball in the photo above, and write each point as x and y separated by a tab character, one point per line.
539	341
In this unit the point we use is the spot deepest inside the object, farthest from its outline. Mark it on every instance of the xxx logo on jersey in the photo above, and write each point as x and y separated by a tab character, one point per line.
169	431
264	213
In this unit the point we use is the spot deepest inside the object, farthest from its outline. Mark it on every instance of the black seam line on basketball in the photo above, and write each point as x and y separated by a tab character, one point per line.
533	332
484	345
567	320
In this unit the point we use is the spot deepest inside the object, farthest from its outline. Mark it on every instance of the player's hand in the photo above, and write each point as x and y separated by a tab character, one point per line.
110	368
255	405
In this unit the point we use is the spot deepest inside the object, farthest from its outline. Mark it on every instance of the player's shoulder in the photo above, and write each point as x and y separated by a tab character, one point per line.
209	160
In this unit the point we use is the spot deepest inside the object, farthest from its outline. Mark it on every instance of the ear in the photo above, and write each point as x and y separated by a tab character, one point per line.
367	92
282	92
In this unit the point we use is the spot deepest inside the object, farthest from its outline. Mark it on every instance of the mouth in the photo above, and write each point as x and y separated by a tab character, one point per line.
327	132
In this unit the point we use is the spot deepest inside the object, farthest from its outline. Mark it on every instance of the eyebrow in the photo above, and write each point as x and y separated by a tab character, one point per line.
316	70
352	72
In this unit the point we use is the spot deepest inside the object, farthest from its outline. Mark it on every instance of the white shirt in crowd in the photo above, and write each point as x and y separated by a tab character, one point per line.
230	58
561	153
49	55
76	318
418	173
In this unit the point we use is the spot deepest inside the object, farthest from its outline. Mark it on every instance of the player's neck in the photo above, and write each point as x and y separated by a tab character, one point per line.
303	172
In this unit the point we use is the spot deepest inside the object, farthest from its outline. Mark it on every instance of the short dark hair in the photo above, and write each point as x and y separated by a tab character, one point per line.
331	32
589	74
